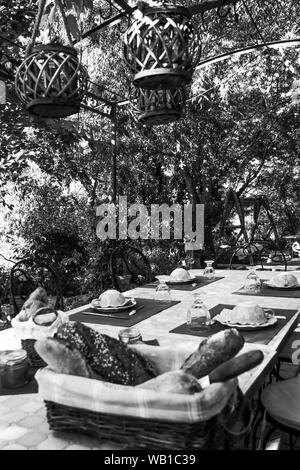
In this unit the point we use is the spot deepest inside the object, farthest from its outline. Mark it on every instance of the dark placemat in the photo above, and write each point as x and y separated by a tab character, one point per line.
149	309
270	292
4	325
200	282
262	336
31	387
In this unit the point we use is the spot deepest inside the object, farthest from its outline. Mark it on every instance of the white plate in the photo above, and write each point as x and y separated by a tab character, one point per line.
253	326
129	303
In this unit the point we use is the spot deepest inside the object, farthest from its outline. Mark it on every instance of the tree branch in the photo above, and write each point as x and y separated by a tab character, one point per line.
251	177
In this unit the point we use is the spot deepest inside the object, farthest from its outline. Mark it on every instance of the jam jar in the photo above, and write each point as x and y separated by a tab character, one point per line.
130	336
13	368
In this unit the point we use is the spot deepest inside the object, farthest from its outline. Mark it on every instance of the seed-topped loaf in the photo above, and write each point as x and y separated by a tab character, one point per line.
109	358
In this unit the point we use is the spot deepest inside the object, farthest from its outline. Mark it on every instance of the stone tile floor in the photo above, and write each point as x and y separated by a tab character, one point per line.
23	425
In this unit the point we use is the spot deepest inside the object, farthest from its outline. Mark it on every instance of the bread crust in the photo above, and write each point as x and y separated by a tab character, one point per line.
212	352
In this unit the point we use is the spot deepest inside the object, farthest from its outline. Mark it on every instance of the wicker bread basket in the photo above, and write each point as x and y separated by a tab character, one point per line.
29	332
135	417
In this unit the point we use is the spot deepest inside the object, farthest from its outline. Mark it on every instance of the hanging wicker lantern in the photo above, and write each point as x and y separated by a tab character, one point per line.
51	81
153	107
162	47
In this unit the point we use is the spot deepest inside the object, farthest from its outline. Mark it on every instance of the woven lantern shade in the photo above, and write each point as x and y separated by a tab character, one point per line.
51	81
162	47
153	107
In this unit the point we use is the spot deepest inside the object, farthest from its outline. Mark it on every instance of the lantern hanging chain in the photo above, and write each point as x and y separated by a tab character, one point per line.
35	31
255	25
62	11
81	34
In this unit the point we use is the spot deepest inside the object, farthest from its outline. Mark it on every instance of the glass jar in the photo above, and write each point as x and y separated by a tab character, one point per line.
130	336
198	316
13	368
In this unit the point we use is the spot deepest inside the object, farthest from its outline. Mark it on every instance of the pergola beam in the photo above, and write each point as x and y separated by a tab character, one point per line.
195	9
124	5
246	50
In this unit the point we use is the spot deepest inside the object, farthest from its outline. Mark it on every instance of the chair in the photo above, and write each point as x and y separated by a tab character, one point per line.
281	405
26	275
296	248
273	255
129	267
259	252
245	255
5	310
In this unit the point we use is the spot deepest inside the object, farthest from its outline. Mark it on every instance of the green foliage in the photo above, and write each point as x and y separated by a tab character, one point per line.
239	131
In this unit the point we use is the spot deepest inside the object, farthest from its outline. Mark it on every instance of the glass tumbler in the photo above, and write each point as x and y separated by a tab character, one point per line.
252	282
162	294
198	316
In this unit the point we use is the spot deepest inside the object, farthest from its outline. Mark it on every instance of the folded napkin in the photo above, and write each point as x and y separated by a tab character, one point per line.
30	330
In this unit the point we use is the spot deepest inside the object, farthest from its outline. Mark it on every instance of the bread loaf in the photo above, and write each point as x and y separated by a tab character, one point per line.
37	299
44	316
175	381
62	359
108	358
212	352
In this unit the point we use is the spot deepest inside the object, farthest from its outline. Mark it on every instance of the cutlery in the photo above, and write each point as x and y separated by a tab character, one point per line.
280	317
100	314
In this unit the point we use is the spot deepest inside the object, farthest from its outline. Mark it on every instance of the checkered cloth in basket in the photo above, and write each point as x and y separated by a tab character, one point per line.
104	397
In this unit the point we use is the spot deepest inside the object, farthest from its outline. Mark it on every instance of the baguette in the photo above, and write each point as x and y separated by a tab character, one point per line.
212	352
236	366
37	299
175	381
44	316
62	359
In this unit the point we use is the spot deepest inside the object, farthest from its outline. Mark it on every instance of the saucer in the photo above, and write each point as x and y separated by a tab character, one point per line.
128	304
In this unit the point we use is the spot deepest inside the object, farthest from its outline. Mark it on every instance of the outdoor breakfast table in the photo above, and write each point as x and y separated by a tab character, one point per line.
23	423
